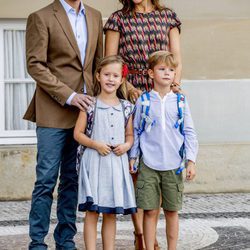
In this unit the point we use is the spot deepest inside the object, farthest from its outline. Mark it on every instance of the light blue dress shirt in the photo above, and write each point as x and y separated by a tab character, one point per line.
79	27
160	146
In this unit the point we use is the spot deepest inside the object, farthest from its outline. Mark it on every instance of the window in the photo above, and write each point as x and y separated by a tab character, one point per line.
16	86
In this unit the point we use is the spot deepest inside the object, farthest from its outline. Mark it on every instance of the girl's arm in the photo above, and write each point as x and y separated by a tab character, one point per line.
129	139
175	48
83	139
129	133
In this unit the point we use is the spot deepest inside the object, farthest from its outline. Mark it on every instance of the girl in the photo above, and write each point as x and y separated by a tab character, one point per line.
105	184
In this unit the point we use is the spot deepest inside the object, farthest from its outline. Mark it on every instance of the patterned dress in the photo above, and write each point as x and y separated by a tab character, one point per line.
140	35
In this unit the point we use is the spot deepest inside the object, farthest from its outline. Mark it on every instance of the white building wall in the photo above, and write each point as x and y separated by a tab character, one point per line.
216	59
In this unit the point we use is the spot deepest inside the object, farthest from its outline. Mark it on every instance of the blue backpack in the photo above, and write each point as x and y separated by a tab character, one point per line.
146	122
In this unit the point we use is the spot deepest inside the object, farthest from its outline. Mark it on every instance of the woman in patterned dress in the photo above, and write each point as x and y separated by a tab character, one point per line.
140	28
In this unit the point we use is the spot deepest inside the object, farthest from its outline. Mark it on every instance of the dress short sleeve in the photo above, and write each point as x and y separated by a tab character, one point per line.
113	23
128	109
175	21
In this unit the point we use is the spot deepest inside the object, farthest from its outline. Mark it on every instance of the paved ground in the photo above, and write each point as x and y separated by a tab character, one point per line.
207	222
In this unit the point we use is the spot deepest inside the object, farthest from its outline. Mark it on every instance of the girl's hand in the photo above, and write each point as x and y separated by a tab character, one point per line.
121	149
103	148
190	171
131	166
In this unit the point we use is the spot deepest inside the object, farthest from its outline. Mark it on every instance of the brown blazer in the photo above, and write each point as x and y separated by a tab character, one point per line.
54	62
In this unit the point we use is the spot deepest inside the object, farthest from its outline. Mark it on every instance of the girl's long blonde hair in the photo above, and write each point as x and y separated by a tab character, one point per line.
122	91
128	5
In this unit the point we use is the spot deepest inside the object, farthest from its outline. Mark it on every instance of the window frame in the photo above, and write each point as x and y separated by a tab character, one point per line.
11	137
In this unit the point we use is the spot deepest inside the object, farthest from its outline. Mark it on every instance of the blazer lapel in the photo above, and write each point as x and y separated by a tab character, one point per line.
62	18
90	34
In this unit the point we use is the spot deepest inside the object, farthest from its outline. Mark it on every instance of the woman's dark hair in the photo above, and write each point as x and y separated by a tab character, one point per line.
128	5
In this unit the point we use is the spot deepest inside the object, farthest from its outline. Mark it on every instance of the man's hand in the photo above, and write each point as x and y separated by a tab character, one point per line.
121	149
103	148
82	101
190	171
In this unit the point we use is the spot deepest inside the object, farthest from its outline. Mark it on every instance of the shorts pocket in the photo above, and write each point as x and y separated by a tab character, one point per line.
139	187
180	187
139	184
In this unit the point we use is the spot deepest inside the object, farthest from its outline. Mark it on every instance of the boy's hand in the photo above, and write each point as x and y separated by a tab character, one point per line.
190	171
121	149
131	166
103	148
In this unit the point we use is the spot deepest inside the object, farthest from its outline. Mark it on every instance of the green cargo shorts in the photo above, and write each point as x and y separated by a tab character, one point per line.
151	185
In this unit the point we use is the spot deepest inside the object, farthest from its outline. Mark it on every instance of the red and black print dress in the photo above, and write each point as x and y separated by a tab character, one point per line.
140	35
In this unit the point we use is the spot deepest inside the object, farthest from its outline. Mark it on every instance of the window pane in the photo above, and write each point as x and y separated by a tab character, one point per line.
17	94
17	98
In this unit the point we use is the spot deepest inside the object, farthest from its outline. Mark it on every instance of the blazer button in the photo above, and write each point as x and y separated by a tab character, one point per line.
82	90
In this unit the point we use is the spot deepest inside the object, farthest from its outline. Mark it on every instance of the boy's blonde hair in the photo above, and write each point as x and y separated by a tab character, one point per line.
161	56
122	90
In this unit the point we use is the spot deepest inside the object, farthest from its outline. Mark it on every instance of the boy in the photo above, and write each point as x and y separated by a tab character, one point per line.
159	142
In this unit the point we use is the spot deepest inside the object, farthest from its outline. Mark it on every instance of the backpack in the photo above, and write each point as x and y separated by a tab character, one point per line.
146	123
128	110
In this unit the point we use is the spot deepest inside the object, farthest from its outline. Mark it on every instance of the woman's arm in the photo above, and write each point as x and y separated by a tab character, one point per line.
175	48
83	139
112	39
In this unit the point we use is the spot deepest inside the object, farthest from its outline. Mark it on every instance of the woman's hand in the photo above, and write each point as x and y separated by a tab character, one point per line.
176	87
133	94
121	149
103	148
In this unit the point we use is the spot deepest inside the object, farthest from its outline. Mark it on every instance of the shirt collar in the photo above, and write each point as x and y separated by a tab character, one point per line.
102	105
155	93
69	9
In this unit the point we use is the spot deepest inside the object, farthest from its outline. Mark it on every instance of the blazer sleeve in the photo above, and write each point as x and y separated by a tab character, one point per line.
37	39
99	47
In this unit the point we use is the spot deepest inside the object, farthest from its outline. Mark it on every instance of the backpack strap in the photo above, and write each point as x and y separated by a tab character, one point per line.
181	109
90	118
145	102
180	124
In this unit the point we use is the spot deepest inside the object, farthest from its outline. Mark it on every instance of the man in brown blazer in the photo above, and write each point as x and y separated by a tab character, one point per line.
63	45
